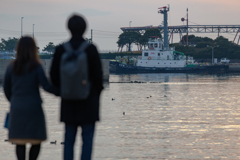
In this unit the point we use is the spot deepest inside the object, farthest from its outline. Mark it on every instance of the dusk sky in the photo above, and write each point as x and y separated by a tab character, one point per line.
106	17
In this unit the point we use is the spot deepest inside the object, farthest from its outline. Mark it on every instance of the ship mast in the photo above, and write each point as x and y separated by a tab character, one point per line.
164	10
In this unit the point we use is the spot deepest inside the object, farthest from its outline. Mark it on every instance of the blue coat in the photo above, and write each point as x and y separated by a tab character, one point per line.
26	119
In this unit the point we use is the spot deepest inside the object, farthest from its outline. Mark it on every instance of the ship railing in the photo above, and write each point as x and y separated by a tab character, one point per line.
164	49
170	49
156	58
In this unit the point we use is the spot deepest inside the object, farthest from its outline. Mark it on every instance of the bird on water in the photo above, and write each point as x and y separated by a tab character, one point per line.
55	142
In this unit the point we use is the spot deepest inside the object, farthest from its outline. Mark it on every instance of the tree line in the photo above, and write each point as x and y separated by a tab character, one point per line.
198	49
9	45
131	37
197	46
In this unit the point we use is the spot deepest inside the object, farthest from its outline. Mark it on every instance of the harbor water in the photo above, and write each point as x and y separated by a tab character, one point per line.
167	116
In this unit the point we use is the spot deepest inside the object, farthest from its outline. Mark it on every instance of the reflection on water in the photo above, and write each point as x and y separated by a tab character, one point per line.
185	116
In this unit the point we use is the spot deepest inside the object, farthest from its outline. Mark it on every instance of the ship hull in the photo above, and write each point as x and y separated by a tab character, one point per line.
119	68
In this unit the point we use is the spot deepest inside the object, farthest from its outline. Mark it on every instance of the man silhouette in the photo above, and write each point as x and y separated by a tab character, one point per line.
83	113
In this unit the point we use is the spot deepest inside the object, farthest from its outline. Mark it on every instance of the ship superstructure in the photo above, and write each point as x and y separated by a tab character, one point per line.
158	56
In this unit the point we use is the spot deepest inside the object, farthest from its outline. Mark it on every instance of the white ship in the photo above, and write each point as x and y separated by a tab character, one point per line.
158	56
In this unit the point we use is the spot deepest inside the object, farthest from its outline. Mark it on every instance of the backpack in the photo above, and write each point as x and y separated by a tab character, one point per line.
75	84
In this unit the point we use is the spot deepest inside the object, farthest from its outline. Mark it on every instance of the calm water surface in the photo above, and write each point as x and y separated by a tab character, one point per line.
187	117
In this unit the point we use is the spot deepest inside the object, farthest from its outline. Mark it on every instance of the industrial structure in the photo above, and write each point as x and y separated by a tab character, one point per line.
189	29
185	29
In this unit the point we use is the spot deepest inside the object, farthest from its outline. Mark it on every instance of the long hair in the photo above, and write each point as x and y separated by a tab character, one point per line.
26	55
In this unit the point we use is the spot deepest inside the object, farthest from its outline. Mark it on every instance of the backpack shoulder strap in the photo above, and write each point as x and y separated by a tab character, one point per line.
67	46
83	46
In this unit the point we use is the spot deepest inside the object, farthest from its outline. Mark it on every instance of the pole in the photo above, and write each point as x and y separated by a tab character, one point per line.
130	23
130	44
180	35
166	44
21	25
91	35
212	54
33	31
235	36
187	26
212	51
238	40
164	10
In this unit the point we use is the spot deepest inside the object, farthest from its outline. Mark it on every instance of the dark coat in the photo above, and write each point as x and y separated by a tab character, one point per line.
80	111
26	119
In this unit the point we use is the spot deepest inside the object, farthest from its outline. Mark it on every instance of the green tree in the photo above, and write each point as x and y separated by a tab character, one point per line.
8	45
50	47
127	38
1	47
192	39
202	44
206	39
201	51
121	43
221	40
149	33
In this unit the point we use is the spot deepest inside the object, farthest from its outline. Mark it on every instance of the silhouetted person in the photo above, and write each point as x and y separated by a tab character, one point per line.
21	87
83	113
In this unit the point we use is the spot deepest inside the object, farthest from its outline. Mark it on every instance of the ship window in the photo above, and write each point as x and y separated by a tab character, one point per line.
155	45
168	57
150	45
164	63
146	54
158	63
158	54
170	63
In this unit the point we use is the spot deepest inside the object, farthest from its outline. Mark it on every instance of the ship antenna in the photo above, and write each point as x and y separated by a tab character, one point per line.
164	10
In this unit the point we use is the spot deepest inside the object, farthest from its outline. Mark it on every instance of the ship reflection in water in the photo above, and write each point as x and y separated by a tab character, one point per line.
167	116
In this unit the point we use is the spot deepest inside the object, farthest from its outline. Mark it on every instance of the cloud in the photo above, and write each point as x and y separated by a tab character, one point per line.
14	17
94	12
88	13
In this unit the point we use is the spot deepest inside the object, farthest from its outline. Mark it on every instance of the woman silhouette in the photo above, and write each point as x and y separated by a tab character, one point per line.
21	87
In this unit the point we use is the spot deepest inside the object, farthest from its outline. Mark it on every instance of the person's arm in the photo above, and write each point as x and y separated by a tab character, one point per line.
45	83
55	67
7	84
96	68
